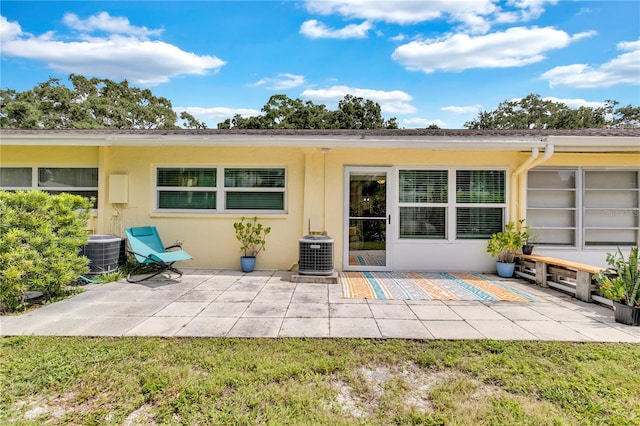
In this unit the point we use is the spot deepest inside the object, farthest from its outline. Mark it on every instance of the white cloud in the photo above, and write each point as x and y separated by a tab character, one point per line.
422	122
214	115
107	23
9	30
115	56
282	82
473	16
517	46
400	12
392	102
469	109
576	103
315	29
623	69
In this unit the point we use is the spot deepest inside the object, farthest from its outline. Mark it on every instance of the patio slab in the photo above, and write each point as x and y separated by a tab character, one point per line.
219	303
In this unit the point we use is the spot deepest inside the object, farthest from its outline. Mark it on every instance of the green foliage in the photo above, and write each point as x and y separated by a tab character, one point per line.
506	243
623	285
40	242
90	104
533	112
251	235
282	112
222	381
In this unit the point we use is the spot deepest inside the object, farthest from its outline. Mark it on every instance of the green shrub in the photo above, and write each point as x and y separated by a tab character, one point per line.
40	239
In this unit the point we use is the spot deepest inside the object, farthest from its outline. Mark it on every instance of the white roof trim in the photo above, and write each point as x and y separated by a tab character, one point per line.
473	143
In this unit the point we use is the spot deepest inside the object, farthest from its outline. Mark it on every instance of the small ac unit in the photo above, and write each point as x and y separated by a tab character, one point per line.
316	255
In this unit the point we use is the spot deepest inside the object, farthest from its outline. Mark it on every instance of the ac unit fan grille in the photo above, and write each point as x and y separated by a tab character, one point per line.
316	255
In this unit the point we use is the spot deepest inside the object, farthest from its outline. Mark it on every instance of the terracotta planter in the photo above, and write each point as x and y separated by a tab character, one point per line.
625	314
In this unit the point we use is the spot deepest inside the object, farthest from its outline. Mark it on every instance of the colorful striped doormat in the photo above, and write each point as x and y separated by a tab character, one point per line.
428	286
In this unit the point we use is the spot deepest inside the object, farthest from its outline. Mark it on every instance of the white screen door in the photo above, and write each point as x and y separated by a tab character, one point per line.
368	219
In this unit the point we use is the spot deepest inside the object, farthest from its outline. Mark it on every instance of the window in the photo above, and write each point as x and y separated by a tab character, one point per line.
475	202
186	188
423	203
215	189
582	208
55	180
254	189
480	201
610	207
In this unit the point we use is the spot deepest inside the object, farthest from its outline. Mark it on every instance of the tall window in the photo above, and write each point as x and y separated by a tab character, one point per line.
474	200
584	207
217	189
423	203
552	206
55	180
480	203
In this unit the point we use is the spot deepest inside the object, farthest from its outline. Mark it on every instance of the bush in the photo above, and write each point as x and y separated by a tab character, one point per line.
40	239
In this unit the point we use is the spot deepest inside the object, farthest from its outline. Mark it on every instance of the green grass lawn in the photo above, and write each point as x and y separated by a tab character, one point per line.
56	380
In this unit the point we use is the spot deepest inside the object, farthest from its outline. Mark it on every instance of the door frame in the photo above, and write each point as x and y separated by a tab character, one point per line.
389	232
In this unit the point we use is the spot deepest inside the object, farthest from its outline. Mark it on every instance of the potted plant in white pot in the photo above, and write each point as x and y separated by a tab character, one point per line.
504	245
621	284
251	235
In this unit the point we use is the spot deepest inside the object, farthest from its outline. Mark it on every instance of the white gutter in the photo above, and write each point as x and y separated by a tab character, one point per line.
519	181
514	183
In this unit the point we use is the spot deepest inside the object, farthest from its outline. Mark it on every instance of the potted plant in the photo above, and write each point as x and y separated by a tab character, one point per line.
251	235
530	239
504	245
621	284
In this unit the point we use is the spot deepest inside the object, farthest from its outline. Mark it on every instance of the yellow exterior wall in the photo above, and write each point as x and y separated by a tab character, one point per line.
49	156
315	189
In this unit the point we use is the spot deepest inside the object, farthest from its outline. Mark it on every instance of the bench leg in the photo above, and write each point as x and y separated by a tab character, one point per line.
583	286
541	274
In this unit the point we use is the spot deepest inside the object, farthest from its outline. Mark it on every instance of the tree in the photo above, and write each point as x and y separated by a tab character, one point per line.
90	104
191	122
282	112
533	112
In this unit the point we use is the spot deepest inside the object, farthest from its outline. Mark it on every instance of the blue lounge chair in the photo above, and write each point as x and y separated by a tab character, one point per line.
145	244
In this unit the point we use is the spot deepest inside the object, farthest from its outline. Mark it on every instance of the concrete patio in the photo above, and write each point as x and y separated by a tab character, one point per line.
228	303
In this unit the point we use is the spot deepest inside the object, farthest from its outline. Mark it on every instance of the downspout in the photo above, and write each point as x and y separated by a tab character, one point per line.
514	184
306	203
521	182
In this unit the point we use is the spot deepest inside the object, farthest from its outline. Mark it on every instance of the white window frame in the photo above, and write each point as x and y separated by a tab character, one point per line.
579	208
220	189
451	206
35	181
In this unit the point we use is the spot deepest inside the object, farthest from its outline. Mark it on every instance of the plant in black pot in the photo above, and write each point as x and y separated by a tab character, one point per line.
529	239
251	235
621	284
504	246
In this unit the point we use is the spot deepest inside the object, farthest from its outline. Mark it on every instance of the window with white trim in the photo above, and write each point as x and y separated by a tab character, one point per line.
480	203
474	200
423	203
218	189
584	207
55	180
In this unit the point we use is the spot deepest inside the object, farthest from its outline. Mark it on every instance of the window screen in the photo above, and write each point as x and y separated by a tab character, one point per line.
254	189
186	188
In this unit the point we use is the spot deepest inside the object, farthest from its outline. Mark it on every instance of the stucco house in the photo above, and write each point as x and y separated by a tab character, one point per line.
397	200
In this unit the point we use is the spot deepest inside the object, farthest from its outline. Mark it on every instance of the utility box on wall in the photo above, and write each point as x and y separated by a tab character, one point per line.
118	189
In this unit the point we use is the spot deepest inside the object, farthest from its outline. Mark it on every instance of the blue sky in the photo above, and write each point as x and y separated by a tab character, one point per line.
424	62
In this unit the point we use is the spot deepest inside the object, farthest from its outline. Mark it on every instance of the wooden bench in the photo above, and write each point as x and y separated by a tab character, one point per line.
573	277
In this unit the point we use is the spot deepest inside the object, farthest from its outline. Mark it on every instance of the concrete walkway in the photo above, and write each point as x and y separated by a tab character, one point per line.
229	303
